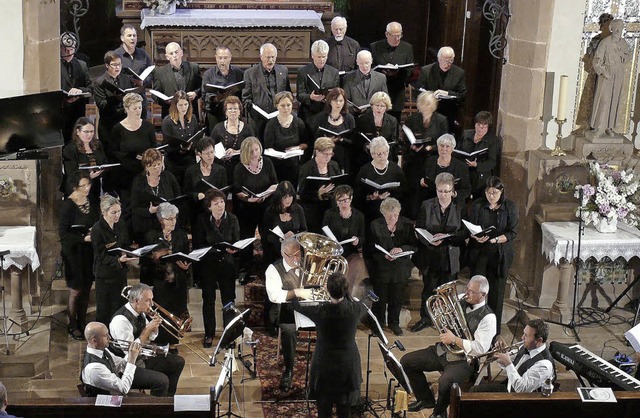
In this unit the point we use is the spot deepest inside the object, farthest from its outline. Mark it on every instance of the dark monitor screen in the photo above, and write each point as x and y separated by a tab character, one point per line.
32	121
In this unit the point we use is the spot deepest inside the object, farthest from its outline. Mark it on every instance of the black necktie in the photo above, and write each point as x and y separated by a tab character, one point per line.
110	363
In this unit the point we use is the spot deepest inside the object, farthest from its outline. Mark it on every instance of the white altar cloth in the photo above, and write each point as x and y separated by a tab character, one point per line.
21	241
560	240
234	18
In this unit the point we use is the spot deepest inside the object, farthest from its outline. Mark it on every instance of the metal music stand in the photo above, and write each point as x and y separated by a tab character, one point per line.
393	365
5	317
372	323
231	332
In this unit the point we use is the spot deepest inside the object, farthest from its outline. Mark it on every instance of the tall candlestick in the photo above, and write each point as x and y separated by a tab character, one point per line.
562	98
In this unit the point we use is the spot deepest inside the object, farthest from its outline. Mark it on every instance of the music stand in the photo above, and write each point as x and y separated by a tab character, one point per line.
231	332
375	329
393	365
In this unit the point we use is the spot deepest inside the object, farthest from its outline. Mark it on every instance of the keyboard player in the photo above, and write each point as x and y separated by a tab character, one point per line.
531	366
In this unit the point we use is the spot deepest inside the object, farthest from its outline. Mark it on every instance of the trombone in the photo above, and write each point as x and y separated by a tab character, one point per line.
511	350
174	326
146	350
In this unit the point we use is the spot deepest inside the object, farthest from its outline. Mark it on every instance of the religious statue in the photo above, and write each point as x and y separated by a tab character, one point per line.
608	63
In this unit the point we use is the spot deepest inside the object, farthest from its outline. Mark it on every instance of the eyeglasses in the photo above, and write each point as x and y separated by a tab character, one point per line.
474	292
113	65
495	192
344	200
397	36
380	154
447	62
444	191
294	255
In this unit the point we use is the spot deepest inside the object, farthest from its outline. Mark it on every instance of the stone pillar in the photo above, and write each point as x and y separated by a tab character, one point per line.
560	309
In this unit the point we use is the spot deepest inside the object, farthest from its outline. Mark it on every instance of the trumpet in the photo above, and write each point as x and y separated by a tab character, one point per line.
511	350
146	350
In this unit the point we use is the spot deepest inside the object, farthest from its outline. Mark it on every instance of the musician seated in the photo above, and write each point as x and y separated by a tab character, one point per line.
282	280
103	372
130	323
530	368
481	322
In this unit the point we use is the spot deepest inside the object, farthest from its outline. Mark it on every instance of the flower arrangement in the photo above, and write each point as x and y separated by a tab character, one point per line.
161	5
611	198
7	188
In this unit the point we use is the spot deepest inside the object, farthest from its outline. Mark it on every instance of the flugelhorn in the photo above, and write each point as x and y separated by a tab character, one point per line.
511	350
146	350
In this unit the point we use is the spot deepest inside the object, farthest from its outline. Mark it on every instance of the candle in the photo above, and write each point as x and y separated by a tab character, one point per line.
562	98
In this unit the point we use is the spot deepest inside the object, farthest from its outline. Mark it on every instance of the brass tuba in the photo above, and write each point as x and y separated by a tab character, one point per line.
445	312
321	257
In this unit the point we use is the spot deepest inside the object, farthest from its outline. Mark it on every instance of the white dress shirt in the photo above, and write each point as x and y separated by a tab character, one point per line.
98	375
121	328
534	377
273	283
483	336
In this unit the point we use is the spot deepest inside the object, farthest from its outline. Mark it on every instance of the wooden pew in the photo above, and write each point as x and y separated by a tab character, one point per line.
150	407
534	405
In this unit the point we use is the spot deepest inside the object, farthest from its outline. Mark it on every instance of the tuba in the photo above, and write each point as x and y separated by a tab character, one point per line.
321	257
445	312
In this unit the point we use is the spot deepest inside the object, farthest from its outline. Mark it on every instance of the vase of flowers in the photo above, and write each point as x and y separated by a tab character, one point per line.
165	7
609	199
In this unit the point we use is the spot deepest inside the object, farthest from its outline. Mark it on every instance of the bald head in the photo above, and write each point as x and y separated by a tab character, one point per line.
97	335
173	53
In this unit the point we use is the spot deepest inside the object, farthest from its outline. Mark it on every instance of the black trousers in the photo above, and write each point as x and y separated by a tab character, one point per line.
170	366
288	345
427	360
222	276
152	380
108	299
390	299
326	404
487	263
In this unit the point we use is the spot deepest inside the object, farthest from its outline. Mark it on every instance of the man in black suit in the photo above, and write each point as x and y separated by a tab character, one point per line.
361	84
393	50
324	76
221	74
446	80
261	83
342	49
175	76
75	80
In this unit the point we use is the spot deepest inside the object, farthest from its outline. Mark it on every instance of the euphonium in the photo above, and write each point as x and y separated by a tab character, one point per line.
445	312
321	257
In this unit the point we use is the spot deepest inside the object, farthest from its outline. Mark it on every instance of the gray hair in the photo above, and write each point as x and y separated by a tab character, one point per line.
166	210
362	54
268	45
447	139
288	242
106	201
483	283
391	24
137	290
378	142
445	178
446	50
320	47
389	204
338	19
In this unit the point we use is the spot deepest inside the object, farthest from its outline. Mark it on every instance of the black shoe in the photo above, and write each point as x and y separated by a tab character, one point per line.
395	328
208	342
440	415
420	405
420	325
173	350
75	333
285	380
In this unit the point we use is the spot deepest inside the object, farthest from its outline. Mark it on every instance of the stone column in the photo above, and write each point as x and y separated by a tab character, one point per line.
560	309
17	311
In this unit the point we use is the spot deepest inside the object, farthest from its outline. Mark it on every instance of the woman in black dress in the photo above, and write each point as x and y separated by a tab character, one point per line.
177	127
315	197
347	222
445	163
208	170
146	192
380	170
372	123
427	126
491	255
217	269
390	275
230	133
256	174
283	133
336	118
77	215
335	376
84	150
285	213
128	140
439	260
482	166
109	269
169	278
